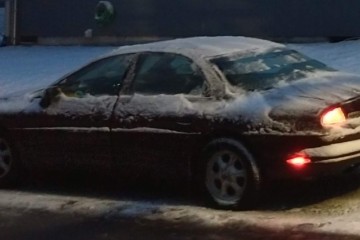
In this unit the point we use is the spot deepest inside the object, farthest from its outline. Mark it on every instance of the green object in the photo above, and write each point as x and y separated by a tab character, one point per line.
104	13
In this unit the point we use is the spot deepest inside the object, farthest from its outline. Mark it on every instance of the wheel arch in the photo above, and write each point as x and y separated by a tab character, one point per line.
238	140
4	131
218	134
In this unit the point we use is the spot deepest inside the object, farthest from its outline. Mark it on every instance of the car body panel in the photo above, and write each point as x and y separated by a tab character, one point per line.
63	134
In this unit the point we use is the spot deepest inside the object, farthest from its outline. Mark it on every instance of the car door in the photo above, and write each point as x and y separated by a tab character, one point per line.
73	126
156	126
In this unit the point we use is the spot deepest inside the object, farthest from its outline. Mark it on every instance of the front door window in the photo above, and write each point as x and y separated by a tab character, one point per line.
103	77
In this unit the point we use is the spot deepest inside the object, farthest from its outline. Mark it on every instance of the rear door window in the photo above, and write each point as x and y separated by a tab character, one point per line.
163	73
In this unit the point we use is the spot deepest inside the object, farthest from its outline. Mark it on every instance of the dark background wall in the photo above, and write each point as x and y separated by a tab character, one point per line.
180	18
2	17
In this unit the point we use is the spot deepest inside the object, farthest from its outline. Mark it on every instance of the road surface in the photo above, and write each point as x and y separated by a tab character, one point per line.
61	209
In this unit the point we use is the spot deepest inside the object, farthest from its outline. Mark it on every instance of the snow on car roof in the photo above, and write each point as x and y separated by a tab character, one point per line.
201	46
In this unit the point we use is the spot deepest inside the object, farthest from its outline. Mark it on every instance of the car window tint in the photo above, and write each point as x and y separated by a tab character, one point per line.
167	74
103	77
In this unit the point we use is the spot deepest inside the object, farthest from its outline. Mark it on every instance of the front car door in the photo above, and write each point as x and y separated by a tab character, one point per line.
73	126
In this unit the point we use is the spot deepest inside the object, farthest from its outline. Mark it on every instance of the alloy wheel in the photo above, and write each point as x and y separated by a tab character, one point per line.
226	177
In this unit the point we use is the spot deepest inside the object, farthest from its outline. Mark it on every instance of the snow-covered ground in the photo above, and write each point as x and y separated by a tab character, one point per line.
336	215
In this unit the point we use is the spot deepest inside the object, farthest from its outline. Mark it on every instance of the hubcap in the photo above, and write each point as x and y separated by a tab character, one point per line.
226	177
5	158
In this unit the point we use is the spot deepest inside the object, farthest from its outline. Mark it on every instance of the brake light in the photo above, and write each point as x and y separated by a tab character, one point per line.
298	161
333	116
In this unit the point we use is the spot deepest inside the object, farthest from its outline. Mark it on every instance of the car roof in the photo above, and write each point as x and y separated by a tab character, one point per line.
204	47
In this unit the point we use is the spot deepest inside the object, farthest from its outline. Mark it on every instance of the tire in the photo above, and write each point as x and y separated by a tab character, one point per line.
9	165
230	178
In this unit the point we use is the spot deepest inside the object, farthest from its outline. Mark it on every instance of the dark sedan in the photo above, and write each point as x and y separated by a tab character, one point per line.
226	112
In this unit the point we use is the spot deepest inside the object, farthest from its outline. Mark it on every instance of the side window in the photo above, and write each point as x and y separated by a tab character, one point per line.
103	77
160	73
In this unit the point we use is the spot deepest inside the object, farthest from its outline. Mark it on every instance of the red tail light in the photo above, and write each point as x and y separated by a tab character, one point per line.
333	116
298	161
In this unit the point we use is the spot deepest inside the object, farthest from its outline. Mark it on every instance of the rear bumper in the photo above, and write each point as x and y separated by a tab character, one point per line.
330	159
338	152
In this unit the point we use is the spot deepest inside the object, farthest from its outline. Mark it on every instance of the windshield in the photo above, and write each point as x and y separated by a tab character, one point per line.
265	70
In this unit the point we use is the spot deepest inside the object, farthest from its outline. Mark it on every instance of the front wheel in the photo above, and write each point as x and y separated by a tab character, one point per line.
230	175
8	164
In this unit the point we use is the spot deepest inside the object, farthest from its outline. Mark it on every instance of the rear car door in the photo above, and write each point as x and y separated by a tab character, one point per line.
73	126
155	126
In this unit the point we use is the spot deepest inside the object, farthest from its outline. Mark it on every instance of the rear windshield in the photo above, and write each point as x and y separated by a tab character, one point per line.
264	71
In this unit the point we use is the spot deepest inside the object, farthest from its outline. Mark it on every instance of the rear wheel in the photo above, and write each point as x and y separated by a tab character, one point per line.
230	176
8	164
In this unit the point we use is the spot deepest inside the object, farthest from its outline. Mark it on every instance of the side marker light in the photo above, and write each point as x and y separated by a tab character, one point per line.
298	161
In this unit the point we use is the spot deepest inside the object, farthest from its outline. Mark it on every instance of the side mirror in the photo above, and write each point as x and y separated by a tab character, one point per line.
49	95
